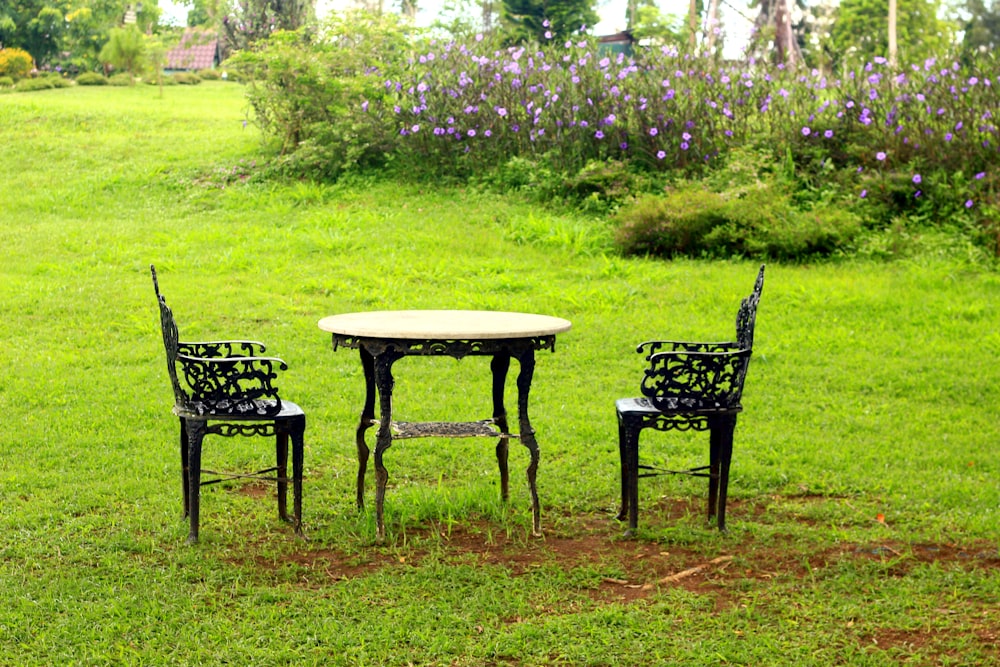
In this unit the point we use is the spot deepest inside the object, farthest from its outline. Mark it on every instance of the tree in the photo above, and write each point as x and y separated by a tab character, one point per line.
541	20
656	27
775	32
253	20
126	50
862	29
982	28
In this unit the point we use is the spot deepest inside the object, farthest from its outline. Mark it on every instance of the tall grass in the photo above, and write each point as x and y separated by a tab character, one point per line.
863	471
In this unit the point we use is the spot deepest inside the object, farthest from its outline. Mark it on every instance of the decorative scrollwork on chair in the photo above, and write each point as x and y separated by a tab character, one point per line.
227	388
688	386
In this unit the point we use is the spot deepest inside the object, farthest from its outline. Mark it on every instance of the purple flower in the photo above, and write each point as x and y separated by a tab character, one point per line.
623	145
980	176
471	133
917	178
864	193
880	156
828	134
918	193
684	145
968	203
660	155
806	131
598	135
685	136
948	136
653	131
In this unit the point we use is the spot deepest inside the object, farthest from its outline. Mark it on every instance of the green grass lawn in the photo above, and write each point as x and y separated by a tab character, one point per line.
863	524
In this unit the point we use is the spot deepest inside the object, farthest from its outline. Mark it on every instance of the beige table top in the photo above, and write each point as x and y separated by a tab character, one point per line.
443	324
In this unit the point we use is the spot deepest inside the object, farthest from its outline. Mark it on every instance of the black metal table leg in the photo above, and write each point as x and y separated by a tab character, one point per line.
384	359
499	366
365	423
526	359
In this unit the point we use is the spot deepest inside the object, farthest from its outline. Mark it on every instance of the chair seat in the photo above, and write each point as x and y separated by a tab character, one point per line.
675	405
258	411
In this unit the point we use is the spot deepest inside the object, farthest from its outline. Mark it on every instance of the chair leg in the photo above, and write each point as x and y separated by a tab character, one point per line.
298	455
722	431
623	467
629	448
281	450
185	470
196	430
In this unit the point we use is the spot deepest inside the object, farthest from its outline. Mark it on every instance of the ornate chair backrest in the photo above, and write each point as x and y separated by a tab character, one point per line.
171	342
706	376
746	318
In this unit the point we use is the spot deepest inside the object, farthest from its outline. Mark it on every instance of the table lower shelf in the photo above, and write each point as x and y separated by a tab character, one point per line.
485	428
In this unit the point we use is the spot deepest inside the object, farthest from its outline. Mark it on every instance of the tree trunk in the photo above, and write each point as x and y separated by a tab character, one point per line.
892	34
693	23
713	24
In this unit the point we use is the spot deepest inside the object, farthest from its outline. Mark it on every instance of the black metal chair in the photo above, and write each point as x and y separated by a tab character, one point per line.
688	386
225	388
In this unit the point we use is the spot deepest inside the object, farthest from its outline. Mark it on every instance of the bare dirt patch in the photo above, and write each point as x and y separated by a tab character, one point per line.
627	570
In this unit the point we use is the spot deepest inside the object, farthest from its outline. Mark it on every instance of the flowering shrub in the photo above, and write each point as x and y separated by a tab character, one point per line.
15	63
918	142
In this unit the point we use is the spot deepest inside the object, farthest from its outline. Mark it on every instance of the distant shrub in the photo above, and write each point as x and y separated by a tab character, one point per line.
41	83
186	78
668	226
761	223
15	63
6	82
120	79
92	79
164	80
209	74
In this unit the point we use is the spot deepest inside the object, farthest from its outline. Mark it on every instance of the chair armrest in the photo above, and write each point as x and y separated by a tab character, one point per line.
709	379
221	348
651	347
231	385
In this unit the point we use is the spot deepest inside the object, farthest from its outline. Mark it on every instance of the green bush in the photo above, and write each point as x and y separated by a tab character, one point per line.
209	74
762	223
120	79
42	83
15	63
6	82
186	78
669	226
164	80
92	79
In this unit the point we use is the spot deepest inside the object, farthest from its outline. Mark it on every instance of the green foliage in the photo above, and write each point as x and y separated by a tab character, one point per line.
6	81
860	31
186	78
762	223
121	79
542	20
92	79
42	83
15	63
126	50
209	74
310	91
252	21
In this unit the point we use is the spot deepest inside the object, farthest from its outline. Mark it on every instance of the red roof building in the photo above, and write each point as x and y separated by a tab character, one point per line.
199	49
